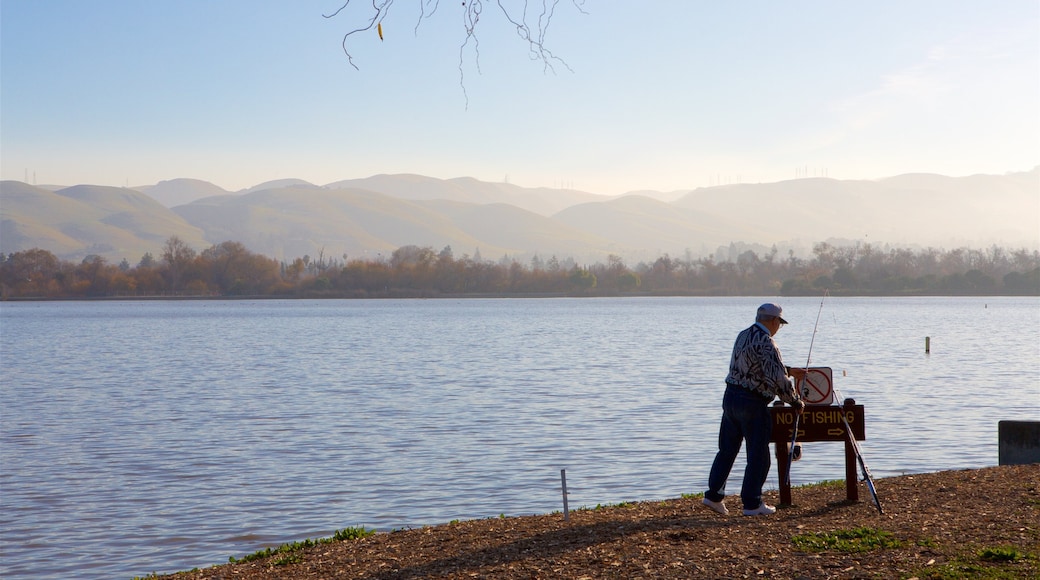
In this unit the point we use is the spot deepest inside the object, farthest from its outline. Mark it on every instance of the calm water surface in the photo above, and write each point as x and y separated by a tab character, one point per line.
162	436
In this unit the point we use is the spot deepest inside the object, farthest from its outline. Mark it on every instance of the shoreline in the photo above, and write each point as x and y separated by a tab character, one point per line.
503	295
964	523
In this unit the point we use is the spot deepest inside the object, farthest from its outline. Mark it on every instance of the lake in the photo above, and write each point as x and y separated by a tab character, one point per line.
157	436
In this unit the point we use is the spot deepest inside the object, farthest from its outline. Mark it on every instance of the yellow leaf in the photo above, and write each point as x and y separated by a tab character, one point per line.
379	29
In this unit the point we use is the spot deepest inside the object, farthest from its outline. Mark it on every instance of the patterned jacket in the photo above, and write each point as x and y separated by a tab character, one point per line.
757	366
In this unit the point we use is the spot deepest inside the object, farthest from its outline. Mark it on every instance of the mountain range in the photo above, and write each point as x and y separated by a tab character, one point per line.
371	217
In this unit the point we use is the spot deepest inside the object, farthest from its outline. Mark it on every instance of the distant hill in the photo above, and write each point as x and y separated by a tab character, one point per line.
88	219
648	228
539	200
290	222
921	209
279	184
180	191
370	217
521	232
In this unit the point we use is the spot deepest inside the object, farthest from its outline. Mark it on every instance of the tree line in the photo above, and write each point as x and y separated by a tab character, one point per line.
229	269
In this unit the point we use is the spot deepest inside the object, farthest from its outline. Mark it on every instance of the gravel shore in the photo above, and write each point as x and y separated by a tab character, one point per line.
982	523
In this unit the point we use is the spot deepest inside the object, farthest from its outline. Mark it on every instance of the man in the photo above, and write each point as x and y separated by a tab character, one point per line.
756	376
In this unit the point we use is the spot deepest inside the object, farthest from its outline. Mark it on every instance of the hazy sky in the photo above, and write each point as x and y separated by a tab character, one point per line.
661	95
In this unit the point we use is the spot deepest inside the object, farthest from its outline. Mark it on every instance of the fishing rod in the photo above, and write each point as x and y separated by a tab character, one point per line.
851	437
798	416
867	476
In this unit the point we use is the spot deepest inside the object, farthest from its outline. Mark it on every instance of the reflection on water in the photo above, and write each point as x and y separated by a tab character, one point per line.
171	435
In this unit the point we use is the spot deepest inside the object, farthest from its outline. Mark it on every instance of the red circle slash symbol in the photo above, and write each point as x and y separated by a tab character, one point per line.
816	388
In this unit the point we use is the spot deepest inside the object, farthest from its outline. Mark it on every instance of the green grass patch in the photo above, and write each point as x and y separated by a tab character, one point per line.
999	563
290	552
293	558
824	483
602	506
854	540
964	570
351	533
927	543
1003	554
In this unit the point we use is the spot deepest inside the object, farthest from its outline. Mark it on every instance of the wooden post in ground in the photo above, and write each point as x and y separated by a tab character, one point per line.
851	479
782	453
819	423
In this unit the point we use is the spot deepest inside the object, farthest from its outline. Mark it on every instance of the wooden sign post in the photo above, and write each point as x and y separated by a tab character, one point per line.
818	423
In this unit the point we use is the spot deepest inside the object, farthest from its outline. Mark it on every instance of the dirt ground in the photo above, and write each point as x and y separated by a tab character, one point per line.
952	524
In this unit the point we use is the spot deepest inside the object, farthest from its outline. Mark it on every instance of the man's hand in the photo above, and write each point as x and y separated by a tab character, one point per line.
798	406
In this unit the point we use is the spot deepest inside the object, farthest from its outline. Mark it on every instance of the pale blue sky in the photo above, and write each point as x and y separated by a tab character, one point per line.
663	95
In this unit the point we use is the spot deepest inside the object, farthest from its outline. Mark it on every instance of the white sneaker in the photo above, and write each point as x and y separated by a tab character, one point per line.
716	506
763	509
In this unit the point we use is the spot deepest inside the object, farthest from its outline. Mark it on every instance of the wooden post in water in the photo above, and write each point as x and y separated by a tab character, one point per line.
563	480
927	344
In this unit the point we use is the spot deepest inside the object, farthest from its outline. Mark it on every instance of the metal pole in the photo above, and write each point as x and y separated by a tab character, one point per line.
563	480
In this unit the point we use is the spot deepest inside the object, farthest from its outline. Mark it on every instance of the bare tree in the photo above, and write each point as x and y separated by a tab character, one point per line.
178	256
530	23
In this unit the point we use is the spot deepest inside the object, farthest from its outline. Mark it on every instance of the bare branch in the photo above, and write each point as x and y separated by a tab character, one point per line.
381	10
424	14
337	11
534	34
536	43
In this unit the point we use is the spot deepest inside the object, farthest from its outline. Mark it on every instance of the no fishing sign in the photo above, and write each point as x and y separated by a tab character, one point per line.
817	388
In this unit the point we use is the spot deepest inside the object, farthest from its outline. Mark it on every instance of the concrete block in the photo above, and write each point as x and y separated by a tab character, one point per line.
1019	442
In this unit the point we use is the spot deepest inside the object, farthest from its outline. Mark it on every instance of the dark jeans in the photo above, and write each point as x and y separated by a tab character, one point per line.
745	417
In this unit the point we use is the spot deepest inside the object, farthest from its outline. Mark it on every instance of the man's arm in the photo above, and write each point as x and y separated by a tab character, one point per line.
777	373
